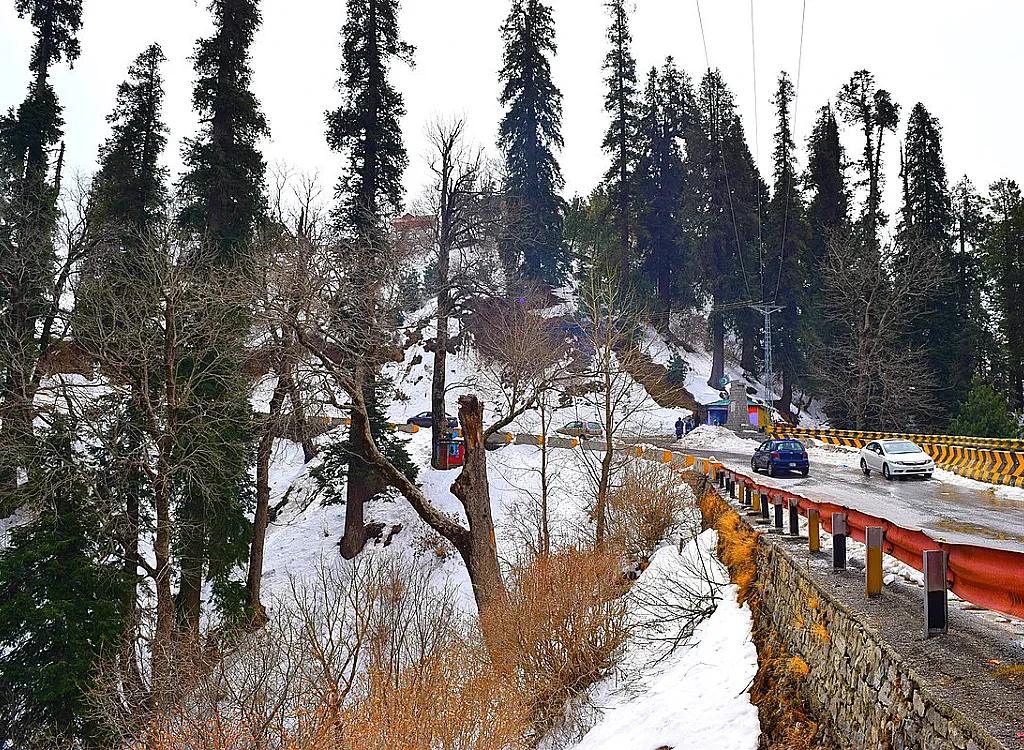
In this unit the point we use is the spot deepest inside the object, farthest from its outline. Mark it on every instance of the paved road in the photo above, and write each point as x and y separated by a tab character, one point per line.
973	513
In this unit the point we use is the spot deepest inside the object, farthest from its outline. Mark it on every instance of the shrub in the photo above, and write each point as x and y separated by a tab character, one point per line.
678	370
560	628
645	507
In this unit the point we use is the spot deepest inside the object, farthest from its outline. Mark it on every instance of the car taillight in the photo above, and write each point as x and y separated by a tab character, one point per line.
776	455
803	455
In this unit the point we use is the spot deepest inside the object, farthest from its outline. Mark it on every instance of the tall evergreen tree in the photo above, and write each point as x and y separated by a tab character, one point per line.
828	212
620	140
786	237
62	591
129	200
367	129
529	134
223	190
223	184
970	279
1004	258
926	234
725	187
28	196
129	192
862	104
662	241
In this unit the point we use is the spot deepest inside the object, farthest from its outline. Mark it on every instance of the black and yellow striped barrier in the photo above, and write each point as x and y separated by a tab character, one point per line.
991	460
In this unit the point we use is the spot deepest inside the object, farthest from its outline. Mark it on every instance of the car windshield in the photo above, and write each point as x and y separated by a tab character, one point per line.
903	446
789	445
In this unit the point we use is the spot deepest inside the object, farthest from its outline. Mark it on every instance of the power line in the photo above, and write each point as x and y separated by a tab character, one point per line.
757	150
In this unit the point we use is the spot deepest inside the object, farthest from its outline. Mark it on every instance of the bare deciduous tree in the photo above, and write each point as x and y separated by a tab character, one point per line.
873	378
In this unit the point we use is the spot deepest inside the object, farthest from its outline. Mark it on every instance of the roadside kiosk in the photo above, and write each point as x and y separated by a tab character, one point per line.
450	452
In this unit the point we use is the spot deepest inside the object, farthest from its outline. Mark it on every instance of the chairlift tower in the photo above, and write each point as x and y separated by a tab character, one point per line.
769	369
767	310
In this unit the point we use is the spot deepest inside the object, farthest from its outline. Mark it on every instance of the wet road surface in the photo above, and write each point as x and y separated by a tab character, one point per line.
969	513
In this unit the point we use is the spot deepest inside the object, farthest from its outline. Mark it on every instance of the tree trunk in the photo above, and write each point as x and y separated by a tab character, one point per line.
361	478
665	297
479	551
438	423
193	558
718	350
309	450
257	612
162	655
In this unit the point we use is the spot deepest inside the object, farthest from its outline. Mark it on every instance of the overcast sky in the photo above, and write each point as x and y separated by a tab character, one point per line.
963	60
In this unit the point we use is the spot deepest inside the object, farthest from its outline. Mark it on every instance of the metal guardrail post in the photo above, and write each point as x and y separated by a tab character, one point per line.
794	517
720	472
839	541
731	482
873	573
936	603
755	501
813	534
777	502
764	506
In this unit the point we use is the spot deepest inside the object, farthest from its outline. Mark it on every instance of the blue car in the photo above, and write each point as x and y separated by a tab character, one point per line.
778	456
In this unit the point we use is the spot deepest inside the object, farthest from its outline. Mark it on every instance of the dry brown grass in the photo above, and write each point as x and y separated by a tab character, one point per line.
776	688
1011	672
648	503
560	628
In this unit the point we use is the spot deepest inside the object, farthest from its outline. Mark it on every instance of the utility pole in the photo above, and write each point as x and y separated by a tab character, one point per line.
767	310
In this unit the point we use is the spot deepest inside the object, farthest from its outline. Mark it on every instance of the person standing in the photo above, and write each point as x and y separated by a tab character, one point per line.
680	426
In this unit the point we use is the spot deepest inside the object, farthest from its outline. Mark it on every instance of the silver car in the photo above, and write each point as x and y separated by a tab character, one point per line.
896	458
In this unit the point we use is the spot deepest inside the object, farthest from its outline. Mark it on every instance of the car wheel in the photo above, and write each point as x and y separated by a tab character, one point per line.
864	467
805	472
927	476
885	472
753	466
771	469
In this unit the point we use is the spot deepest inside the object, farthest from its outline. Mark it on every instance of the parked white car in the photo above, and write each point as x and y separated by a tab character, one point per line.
896	458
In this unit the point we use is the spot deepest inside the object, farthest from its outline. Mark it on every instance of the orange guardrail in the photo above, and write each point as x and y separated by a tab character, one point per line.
988	577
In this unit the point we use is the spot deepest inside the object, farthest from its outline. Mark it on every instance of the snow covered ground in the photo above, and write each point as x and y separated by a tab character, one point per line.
695	696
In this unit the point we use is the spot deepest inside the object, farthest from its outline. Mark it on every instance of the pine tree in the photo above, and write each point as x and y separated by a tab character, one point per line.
129	200
786	238
129	192
367	129
828	212
984	413
620	140
970	278
662	241
223	185
529	133
1004	258
28	213
223	191
725	186
62	594
926	237
861	103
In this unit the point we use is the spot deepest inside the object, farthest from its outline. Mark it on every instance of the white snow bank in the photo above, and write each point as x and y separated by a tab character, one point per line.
697	695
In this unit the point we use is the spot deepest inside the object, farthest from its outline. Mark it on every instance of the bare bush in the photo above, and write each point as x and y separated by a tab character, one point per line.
370	654
560	629
645	507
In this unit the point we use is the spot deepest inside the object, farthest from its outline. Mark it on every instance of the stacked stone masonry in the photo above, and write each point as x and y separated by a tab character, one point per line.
858	687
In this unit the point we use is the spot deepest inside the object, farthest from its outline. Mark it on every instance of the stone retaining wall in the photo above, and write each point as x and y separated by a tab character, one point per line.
857	686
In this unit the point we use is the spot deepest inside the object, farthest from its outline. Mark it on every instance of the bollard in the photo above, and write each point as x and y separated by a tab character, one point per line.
873	575
731	482
936	605
839	541
720	474
755	501
764	507
794	517
777	502
813	537
743	492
